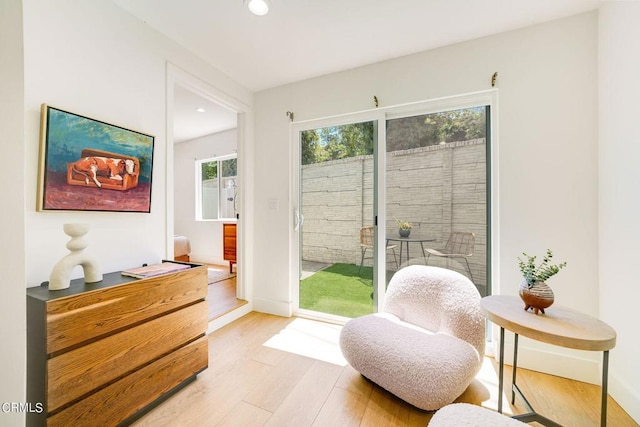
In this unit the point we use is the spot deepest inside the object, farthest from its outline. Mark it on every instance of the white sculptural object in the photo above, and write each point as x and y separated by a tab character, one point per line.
61	273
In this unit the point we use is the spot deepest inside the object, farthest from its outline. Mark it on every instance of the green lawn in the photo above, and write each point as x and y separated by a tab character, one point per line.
339	290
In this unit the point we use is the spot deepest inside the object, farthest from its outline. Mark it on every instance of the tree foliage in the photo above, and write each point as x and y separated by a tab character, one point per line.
209	170
228	167
433	129
356	139
337	142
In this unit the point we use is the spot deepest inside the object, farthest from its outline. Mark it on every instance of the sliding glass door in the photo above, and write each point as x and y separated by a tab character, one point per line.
375	192
436	190
336	217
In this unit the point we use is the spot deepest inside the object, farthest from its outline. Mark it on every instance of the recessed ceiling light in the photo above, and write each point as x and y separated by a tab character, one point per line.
258	7
200	110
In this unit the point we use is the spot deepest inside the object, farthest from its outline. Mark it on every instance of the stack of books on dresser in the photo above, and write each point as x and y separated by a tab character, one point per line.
155	270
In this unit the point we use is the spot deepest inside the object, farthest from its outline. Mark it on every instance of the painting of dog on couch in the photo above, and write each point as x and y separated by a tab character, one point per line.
89	165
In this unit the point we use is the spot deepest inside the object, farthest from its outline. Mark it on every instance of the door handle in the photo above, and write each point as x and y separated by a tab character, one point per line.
298	219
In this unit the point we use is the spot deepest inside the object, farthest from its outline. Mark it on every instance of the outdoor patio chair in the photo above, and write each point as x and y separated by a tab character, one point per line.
459	245
366	242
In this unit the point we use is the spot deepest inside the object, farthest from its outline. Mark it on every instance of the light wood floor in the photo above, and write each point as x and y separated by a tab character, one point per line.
221	296
249	384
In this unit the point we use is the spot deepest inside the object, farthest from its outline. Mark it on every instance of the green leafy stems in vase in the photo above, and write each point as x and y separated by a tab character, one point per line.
535	293
404	228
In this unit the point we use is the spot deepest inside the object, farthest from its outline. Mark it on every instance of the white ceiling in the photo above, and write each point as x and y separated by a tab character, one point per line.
301	39
188	123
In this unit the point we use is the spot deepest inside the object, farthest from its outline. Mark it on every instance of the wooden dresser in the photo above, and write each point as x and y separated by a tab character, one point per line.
107	352
229	244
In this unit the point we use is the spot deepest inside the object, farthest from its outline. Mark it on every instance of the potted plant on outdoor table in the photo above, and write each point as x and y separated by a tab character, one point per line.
404	228
535	293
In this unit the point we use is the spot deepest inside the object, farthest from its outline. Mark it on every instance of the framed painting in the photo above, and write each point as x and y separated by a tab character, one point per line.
89	165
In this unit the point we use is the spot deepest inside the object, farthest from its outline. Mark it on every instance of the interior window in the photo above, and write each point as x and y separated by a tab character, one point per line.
217	188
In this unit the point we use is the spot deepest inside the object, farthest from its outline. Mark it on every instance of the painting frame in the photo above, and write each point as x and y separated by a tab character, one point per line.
87	164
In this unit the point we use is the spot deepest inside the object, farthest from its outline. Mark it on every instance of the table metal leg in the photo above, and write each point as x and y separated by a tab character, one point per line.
605	379
423	255
501	370
531	415
515	368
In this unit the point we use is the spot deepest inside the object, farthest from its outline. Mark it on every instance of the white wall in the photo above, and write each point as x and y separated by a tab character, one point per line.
619	196
548	163
94	59
205	236
79	59
12	177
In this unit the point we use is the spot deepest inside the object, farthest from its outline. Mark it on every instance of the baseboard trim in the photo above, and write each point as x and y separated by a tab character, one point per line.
278	308
229	317
625	395
577	365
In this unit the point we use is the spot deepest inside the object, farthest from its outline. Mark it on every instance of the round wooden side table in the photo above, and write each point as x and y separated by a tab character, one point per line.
558	326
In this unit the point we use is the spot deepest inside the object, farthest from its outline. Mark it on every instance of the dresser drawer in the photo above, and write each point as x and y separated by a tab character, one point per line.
119	401
230	251
91	315
81	371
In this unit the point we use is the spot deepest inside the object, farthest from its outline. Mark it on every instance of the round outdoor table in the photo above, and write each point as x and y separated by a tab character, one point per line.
406	240
558	326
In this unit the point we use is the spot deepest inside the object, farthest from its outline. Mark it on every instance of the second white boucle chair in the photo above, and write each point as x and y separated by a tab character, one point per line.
427	344
466	415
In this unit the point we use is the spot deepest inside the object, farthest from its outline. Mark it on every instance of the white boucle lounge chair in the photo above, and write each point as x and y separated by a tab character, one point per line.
427	344
467	415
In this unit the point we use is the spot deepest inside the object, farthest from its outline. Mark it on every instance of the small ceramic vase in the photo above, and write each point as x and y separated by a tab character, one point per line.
537	297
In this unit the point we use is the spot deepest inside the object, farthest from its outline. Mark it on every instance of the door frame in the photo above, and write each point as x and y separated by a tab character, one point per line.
177	76
454	102
295	241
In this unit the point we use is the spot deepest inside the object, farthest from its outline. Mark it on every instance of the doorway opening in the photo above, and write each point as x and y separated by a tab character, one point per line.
206	138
